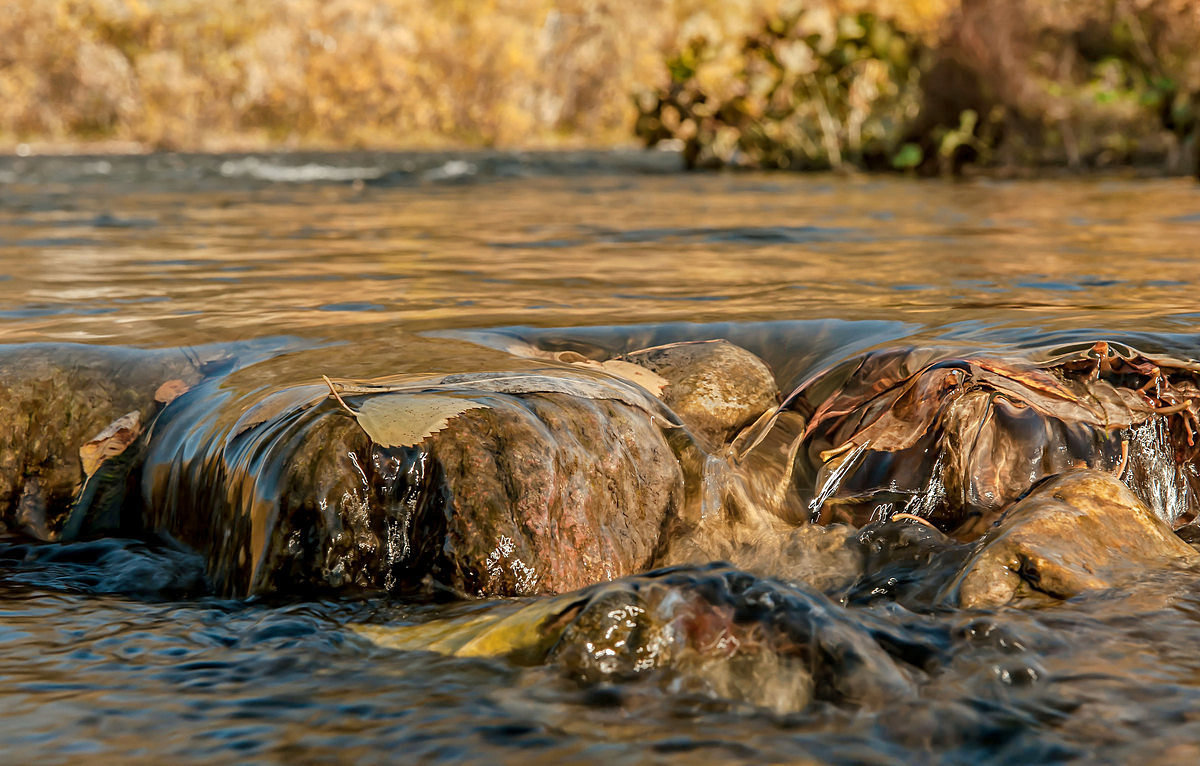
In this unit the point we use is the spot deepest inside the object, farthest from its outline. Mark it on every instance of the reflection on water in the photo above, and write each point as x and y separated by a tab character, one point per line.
373	265
228	260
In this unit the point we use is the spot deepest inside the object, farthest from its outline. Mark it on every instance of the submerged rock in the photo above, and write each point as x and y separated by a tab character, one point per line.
709	630
1081	531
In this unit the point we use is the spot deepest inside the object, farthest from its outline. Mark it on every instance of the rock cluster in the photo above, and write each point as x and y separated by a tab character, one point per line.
971	480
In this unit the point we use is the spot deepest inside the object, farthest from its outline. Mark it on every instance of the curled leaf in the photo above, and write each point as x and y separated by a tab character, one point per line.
110	442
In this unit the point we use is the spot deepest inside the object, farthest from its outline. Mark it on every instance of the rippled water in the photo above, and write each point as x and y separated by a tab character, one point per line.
365	265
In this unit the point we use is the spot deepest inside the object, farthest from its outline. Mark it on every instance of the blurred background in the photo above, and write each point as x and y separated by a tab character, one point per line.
934	86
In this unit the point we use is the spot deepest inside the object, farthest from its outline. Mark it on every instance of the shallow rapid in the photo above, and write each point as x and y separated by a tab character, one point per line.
265	568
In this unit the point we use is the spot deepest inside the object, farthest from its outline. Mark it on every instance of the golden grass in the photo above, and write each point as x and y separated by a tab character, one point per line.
203	74
222	74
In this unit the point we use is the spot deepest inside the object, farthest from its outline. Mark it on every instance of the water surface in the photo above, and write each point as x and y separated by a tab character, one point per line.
364	265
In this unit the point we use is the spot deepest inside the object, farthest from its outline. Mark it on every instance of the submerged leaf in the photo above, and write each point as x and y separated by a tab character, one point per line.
289	400
521	632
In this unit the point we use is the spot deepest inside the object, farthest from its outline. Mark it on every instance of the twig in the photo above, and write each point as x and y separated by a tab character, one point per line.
336	395
914	517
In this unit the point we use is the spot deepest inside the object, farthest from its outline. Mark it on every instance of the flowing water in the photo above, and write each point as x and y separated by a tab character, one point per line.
119	650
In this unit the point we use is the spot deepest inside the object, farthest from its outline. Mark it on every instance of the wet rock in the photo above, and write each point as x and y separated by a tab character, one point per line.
1077	532
956	438
905	561
526	493
54	399
712	630
552	493
715	387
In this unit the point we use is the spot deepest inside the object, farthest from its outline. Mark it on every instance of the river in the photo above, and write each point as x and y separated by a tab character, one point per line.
363	265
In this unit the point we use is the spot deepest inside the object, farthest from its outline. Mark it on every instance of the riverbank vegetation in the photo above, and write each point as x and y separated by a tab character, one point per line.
933	85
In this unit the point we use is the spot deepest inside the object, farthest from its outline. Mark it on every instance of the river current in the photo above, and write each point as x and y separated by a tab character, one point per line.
364	265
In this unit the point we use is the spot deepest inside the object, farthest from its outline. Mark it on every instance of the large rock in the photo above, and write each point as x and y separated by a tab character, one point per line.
528	492
552	493
1077	532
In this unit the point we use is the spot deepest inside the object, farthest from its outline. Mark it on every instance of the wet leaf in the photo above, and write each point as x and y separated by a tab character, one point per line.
406	420
961	437
170	391
1030	377
110	442
569	383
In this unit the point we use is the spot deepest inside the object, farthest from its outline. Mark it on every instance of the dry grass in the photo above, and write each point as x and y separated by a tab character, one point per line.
348	73
1045	77
201	73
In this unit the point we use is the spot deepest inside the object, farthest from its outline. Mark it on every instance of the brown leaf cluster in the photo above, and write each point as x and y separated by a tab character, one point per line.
957	438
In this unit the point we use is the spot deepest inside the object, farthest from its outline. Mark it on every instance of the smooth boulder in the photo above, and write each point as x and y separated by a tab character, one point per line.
54	400
525	491
716	387
1077	532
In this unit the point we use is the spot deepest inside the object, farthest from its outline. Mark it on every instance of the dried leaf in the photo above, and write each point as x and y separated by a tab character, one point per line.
403	412
405	420
634	373
112	441
647	379
559	381
170	391
1029	377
